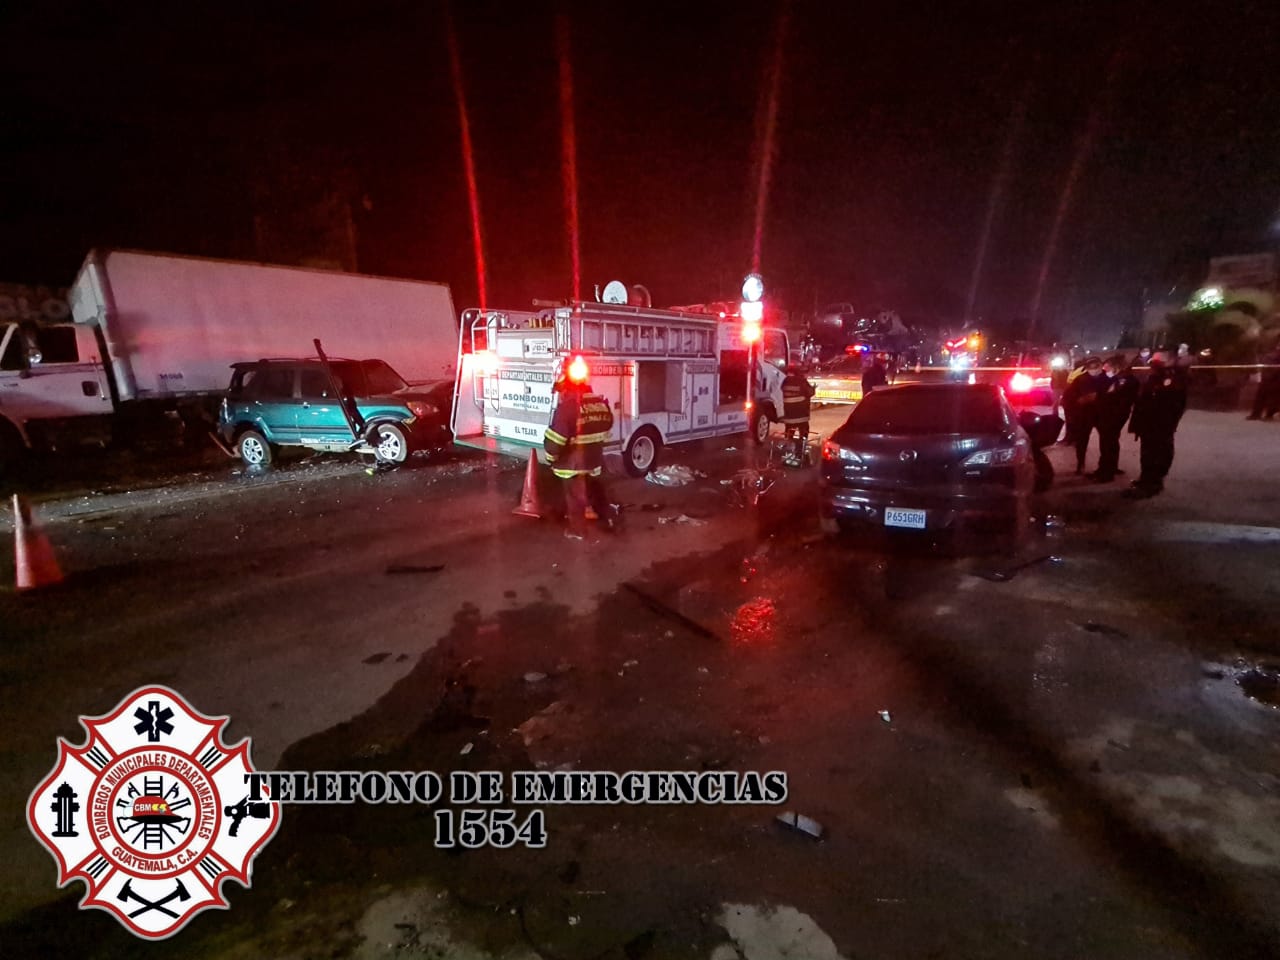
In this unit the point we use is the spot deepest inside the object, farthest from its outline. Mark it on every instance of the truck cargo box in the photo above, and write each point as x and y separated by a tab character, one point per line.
173	325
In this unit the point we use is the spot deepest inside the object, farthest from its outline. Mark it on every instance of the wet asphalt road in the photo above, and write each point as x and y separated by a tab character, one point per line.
1068	767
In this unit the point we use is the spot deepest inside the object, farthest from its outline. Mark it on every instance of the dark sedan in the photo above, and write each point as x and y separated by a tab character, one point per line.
928	457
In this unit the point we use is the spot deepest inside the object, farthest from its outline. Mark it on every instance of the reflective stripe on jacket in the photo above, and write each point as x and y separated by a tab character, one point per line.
796	391
579	429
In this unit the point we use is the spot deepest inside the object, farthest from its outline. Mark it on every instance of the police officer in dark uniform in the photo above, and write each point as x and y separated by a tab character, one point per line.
1267	400
796	393
1159	407
874	376
1115	402
1080	401
574	442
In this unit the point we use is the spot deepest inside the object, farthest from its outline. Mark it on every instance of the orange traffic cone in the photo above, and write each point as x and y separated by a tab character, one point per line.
529	506
33	559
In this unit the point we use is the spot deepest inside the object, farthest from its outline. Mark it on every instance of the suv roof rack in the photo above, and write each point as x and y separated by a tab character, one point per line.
250	363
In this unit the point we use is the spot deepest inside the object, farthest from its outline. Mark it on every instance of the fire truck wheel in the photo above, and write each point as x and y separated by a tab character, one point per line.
389	443
254	449
760	426
642	451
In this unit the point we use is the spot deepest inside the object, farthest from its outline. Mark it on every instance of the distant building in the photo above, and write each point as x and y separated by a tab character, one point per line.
1256	271
1238	290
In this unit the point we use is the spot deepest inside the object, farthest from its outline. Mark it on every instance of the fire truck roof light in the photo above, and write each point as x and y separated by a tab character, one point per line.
751	311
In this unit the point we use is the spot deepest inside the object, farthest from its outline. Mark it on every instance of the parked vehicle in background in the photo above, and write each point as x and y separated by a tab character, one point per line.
928	457
342	406
839	381
1036	403
154	334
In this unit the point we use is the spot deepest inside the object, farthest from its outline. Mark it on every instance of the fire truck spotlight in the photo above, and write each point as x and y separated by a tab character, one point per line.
578	371
751	311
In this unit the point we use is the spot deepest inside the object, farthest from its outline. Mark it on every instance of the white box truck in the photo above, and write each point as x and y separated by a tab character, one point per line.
154	336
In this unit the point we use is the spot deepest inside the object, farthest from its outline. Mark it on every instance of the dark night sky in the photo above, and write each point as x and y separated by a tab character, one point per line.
170	126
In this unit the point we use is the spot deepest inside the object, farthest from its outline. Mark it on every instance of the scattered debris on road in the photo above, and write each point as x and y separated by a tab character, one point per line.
541	724
466	748
685	519
747	486
1008	573
673	475
534	676
884	715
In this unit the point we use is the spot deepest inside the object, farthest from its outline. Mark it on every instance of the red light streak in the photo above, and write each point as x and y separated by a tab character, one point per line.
569	148
468	156
768	145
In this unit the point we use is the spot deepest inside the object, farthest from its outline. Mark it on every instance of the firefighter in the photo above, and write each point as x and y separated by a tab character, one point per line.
796	393
1156	413
1115	402
574	442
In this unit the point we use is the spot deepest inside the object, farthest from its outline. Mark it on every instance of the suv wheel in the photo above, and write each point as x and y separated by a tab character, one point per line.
389	443
254	449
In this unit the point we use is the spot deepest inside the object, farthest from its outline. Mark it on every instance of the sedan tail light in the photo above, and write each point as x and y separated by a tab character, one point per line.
833	451
1001	456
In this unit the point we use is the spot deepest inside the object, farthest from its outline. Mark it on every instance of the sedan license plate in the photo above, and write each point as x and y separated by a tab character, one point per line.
898	517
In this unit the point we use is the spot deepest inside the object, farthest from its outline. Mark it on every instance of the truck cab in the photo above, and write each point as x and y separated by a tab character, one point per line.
51	381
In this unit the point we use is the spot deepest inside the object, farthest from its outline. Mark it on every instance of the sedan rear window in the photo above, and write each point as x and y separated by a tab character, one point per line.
927	410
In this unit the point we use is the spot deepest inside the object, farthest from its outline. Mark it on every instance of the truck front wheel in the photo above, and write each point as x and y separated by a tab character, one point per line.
760	426
254	449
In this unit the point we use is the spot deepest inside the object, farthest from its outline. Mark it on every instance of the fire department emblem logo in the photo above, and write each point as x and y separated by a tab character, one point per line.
152	813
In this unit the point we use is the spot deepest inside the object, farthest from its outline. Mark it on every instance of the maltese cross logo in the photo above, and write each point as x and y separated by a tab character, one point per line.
152	813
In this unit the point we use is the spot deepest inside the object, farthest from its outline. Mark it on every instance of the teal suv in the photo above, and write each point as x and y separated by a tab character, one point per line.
359	406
